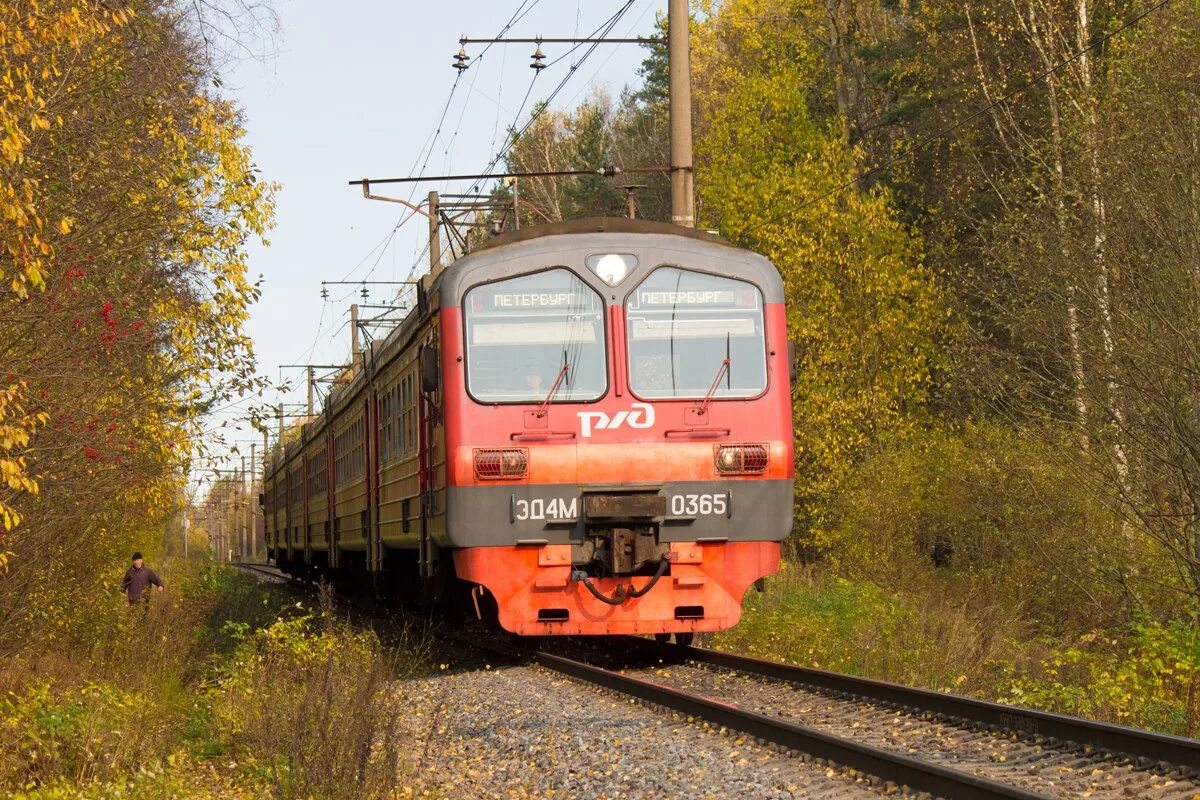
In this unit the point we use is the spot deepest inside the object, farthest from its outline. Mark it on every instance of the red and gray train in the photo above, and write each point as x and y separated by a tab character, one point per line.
580	428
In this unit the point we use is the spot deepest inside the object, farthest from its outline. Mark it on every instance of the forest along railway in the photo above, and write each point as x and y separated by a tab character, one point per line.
581	428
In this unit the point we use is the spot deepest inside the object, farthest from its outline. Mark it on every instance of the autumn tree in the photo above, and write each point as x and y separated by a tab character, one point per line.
776	178
128	200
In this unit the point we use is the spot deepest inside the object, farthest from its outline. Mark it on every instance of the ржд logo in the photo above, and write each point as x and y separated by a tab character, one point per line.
640	415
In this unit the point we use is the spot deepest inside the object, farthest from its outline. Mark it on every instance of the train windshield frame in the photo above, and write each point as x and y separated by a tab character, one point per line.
682	325
521	335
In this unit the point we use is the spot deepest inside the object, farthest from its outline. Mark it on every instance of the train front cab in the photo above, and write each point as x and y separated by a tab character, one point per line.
618	422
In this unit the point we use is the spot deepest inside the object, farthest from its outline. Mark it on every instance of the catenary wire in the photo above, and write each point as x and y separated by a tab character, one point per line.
603	30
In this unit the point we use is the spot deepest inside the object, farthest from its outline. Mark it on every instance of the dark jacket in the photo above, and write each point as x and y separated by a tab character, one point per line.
136	581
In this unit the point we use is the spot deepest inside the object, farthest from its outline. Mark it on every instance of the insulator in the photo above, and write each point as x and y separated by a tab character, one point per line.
538	58
365	293
460	59
324	293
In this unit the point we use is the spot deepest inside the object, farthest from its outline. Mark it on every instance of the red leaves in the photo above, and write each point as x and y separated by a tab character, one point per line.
114	333
73	273
91	452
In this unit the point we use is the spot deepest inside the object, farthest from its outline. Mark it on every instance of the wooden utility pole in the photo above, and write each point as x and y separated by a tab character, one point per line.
683	209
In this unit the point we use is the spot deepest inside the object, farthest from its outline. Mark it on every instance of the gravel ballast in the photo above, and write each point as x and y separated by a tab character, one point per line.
521	731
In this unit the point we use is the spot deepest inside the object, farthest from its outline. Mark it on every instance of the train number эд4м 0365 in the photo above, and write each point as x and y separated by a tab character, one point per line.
699	505
680	505
542	508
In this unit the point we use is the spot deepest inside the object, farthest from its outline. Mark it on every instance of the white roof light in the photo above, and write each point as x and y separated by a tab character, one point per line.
612	268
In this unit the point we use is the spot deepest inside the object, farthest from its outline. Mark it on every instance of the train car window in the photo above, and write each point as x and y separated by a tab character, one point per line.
408	416
682	326
385	450
525	332
397	409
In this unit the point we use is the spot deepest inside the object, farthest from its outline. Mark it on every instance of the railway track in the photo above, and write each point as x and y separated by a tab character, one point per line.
263	569
943	745
1149	748
901	739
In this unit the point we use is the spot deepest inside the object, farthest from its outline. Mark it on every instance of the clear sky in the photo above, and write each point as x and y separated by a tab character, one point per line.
357	89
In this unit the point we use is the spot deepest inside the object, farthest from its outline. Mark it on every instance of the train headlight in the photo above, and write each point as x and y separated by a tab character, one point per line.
741	459
612	268
505	464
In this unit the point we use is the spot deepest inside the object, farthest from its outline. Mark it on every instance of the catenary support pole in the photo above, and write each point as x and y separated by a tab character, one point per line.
516	187
435	233
244	522
310	390
247	480
683	211
254	505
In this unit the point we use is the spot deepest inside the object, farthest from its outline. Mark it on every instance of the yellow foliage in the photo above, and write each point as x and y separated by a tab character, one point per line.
864	309
127	199
16	428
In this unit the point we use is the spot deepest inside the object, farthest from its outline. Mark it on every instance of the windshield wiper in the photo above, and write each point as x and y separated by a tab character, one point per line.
723	371
562	374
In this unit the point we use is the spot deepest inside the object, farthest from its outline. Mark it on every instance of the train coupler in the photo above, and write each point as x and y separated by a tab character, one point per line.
622	592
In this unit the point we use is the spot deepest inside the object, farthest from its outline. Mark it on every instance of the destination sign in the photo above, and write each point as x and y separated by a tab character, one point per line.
539	300
690	297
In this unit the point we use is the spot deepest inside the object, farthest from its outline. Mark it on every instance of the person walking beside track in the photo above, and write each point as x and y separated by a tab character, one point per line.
138	579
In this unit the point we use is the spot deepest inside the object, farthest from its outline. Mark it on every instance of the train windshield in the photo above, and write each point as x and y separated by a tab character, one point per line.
528	333
689	330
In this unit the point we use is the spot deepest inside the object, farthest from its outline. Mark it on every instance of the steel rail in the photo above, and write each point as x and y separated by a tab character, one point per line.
265	569
886	765
1175	751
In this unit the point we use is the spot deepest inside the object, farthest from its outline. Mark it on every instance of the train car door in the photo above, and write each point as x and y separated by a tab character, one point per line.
430	373
375	474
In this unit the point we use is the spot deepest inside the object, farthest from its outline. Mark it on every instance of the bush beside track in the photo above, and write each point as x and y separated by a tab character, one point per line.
225	688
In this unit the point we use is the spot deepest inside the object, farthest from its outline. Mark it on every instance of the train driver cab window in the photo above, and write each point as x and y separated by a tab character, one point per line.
682	326
526	333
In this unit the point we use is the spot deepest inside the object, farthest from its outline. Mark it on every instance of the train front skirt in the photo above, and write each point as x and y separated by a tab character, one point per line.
537	592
